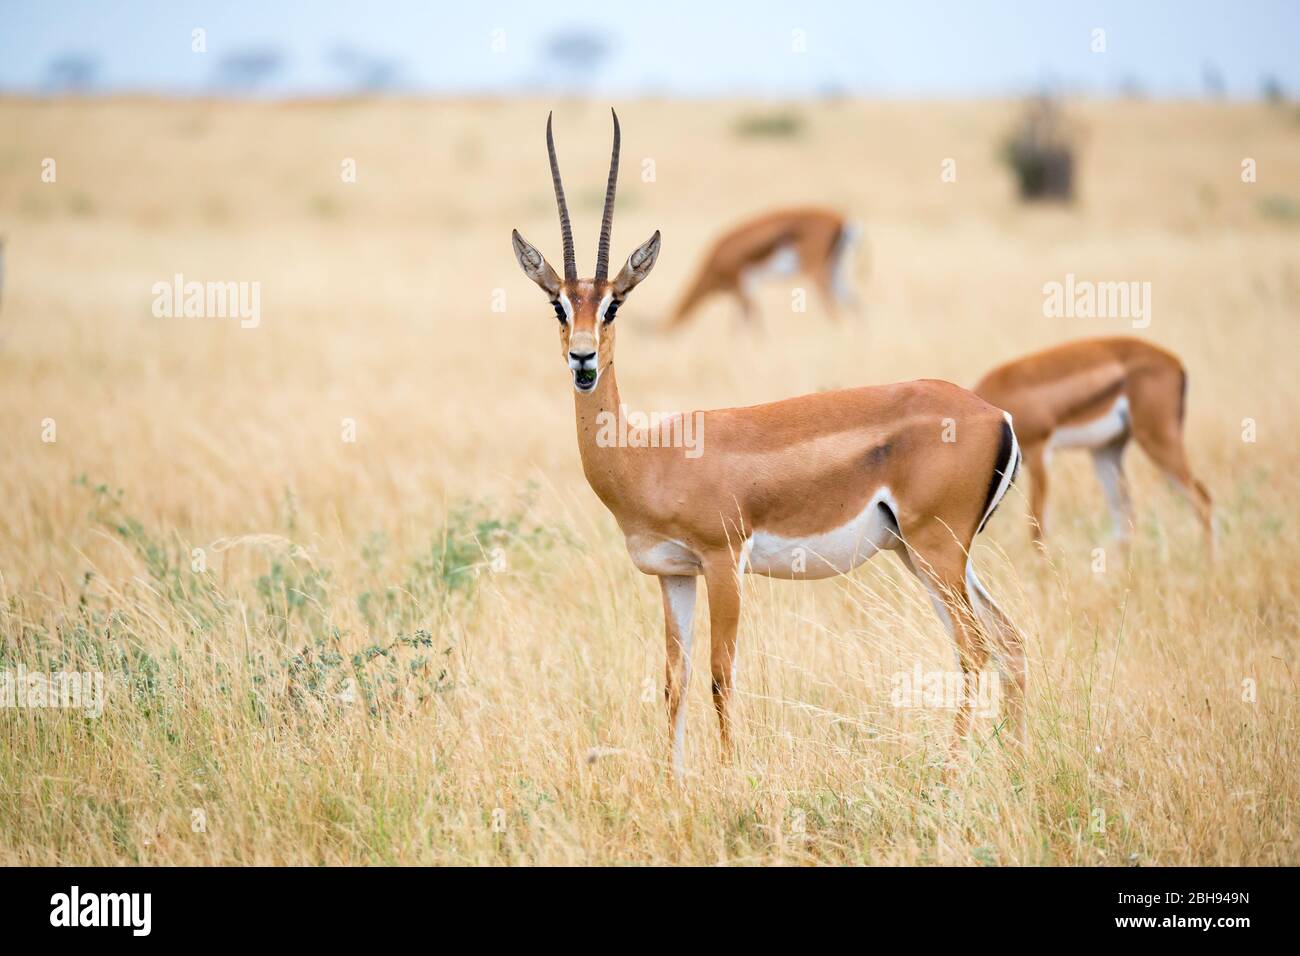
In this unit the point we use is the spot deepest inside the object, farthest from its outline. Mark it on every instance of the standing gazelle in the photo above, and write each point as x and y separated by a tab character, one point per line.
786	242
807	487
1097	394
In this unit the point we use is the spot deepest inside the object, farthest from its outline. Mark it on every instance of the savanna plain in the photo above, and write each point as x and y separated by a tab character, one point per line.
355	603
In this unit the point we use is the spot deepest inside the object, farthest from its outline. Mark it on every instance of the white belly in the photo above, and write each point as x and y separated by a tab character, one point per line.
813	556
827	554
784	261
1094	434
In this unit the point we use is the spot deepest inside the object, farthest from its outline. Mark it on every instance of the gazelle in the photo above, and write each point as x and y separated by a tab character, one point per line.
1097	394
807	487
786	242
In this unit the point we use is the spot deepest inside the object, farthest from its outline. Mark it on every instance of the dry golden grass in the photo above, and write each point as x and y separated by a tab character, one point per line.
514	715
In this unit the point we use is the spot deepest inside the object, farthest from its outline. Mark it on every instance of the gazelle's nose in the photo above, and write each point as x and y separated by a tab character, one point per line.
582	358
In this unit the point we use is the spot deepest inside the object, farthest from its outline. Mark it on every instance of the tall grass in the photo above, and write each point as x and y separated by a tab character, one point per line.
429	646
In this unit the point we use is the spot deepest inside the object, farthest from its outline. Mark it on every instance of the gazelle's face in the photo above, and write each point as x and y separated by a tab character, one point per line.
585	308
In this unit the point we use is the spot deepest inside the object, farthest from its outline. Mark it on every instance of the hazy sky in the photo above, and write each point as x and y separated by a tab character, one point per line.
926	48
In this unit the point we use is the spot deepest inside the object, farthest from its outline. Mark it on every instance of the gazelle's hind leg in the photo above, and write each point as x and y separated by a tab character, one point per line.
939	609
1109	464
1008	648
940	563
1162	439
1008	644
834	276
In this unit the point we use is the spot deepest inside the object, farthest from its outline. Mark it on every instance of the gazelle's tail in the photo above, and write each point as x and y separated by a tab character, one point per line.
1004	471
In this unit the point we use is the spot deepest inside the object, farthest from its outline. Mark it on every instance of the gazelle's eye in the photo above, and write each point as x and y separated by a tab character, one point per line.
559	311
611	311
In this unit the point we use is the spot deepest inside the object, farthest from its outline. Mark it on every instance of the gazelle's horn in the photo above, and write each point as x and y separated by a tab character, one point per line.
607	221
566	231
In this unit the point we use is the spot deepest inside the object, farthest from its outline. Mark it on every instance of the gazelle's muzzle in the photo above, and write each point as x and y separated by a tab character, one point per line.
585	372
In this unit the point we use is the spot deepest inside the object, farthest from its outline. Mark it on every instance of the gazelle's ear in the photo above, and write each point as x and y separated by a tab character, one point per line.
535	266
638	266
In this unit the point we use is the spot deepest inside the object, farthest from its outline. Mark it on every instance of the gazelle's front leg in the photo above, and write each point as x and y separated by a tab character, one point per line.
679	612
722	576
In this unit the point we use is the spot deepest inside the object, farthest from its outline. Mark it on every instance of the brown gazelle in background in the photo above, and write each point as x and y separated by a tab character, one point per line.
786	242
808	487
1097	394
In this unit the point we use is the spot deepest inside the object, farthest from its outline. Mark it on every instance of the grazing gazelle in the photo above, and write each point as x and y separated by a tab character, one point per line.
1097	394
816	242
807	487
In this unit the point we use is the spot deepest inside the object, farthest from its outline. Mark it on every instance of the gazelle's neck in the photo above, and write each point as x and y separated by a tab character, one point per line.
607	468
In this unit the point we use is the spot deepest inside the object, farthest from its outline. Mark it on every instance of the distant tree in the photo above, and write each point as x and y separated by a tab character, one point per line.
1130	87
71	72
1212	80
365	72
1040	152
248	70
1270	88
833	91
577	56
